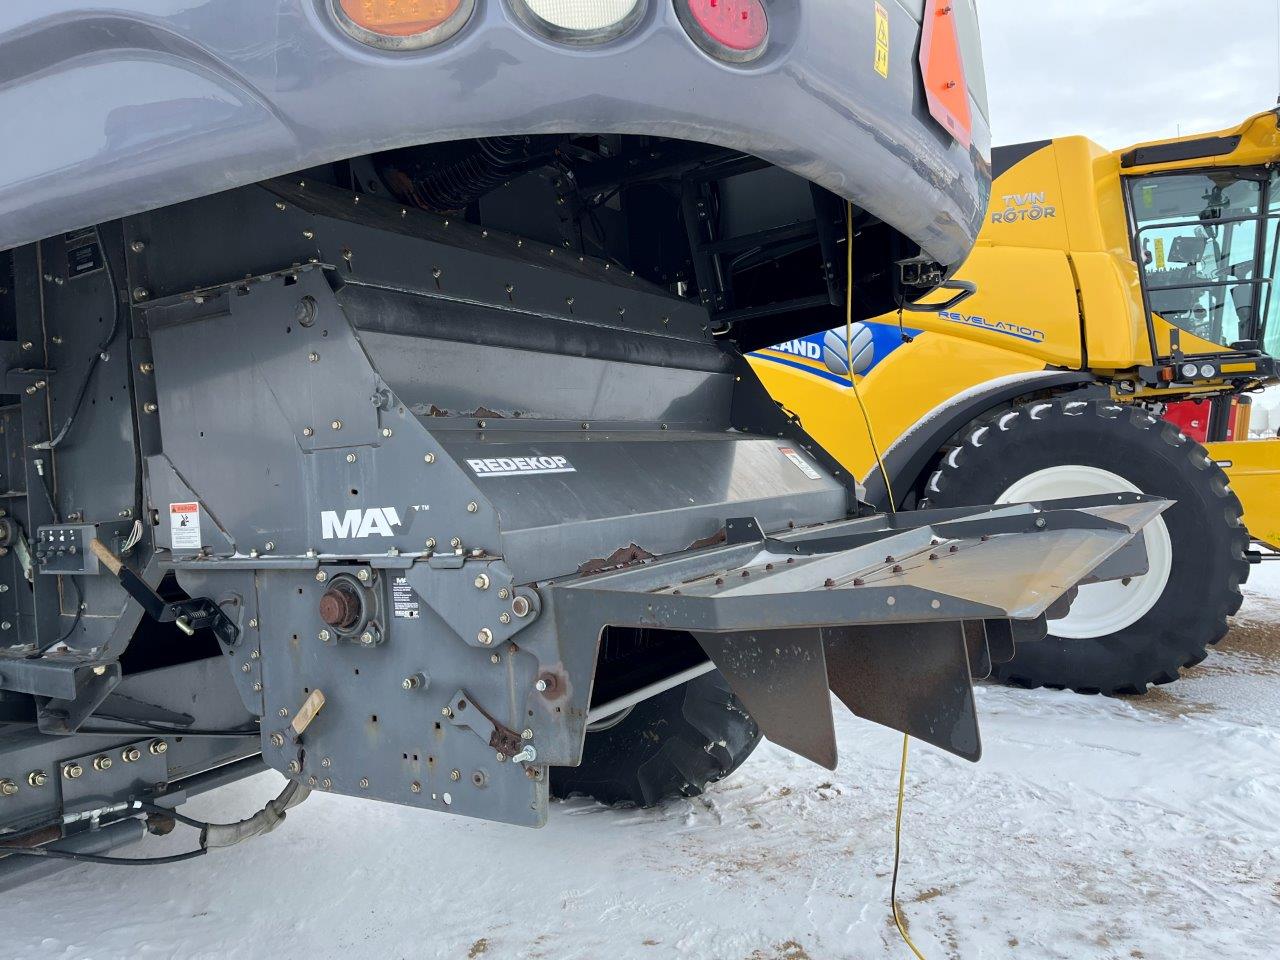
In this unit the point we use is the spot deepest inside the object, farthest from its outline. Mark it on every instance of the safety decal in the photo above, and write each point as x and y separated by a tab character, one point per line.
519	466
882	41
184	526
800	462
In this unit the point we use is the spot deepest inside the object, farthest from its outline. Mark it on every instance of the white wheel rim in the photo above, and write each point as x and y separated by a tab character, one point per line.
1101	609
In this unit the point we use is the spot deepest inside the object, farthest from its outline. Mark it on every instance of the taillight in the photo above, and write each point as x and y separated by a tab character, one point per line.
580	21
733	30
402	24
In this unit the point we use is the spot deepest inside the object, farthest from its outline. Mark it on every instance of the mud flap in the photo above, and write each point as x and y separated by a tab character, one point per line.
975	640
781	678
911	677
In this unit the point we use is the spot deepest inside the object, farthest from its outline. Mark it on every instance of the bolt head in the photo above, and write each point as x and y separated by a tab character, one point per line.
312	781
277	740
351	458
308	432
253	621
431	543
269	545
482	581
321	576
8	788
455	542
408	683
37	778
130	754
149	407
137	246
386	431
485	636
429	458
294	766
72	771
327	762
494	658
526	734
504	617
158	747
326	783
455	774
284	711
446	712
363	574
313	357
472	507
500	757
415	787
335	425
541	686
366	638
364	782
140	294
324	636
246	667
257	687
102	763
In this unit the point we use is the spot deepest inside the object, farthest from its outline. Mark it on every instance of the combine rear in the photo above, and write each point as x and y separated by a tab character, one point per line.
435	474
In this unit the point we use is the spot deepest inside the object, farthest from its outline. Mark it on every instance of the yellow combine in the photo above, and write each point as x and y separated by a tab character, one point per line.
1126	305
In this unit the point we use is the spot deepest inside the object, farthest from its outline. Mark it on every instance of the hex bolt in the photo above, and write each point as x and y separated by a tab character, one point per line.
8	788
500	757
472	507
37	778
351	458
431	543
283	711
27	344
137	246
257	687
326	783
313	357
504	617
308	235
429	458
455	542
158	747
321	576
520	606
277	740
364	782
367	638
335	425
526	734
363	574
150	407
495	658
503	593
324	636
326	762
485	636
415	787
527	755
446	712
308	432
140	294
102	763
414	681
253	621
482	581
294	766
453	775
73	771
312	782
269	545
246	667
386	431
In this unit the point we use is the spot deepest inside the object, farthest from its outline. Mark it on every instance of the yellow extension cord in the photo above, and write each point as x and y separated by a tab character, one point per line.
875	449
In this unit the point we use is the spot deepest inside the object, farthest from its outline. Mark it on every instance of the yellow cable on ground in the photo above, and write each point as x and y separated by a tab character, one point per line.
888	487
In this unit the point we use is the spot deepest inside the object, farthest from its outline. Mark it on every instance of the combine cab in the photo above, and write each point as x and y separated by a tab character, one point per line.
390	426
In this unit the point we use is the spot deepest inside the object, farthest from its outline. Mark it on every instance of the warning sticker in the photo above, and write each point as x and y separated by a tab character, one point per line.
882	41
404	602
800	462
184	526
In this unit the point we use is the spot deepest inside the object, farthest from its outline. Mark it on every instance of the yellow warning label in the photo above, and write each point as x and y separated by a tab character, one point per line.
882	41
1160	259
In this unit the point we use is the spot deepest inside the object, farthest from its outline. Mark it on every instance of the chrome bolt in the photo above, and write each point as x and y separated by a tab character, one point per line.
326	783
130	754
313	357
27	344
431	543
324	636
429	458
386	431
158	747
414	682
495	658
253	621
482	581
351	458
321	576
485	636
137	246
8	788
246	667
500	757
257	687
446	712
37	778
527	755
503	593
504	617
284	711
526	734
312	781
72	771
366	638
308	235
453	775
308	432
364	782
415	787
335	425
327	762
146	367
294	766
455	542
149	407
520	606
541	686
269	545
472	507
363	574
102	763
140	293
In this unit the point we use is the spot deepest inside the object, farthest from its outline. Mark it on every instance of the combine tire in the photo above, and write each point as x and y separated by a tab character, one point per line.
671	745
1118	637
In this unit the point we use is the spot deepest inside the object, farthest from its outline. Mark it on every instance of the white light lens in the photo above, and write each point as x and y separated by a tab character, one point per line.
1208	371
580	20
1189	371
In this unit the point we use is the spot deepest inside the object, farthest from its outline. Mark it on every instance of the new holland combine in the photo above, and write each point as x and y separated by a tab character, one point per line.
377	410
1125	308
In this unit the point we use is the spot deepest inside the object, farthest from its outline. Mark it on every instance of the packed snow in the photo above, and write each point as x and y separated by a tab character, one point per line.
1092	828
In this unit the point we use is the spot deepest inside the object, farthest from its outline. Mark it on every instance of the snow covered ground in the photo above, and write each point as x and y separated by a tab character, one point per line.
1092	828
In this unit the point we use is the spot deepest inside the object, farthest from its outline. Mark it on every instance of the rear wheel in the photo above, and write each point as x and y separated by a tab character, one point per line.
671	745
1119	636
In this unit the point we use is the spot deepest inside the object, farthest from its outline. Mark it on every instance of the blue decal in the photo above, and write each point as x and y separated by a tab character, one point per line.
826	354
1017	330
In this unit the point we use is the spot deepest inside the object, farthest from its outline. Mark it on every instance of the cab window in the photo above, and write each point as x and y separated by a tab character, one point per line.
1198	245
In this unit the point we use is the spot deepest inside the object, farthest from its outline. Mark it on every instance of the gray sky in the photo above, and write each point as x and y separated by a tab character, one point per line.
1124	71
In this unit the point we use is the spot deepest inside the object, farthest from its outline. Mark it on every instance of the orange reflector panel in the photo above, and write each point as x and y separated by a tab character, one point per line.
942	66
402	22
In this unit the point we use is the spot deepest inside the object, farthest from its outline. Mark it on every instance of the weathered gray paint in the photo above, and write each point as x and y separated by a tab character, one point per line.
110	107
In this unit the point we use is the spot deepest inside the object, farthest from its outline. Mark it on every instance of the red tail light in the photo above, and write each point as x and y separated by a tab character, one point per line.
402	24
733	30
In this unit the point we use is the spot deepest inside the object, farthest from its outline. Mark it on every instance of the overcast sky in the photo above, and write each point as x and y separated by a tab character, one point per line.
1124	71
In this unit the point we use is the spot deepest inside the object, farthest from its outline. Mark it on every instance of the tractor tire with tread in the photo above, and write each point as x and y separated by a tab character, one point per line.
671	745
1207	538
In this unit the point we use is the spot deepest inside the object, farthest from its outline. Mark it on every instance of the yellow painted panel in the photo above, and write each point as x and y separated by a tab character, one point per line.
1254	469
1111	294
